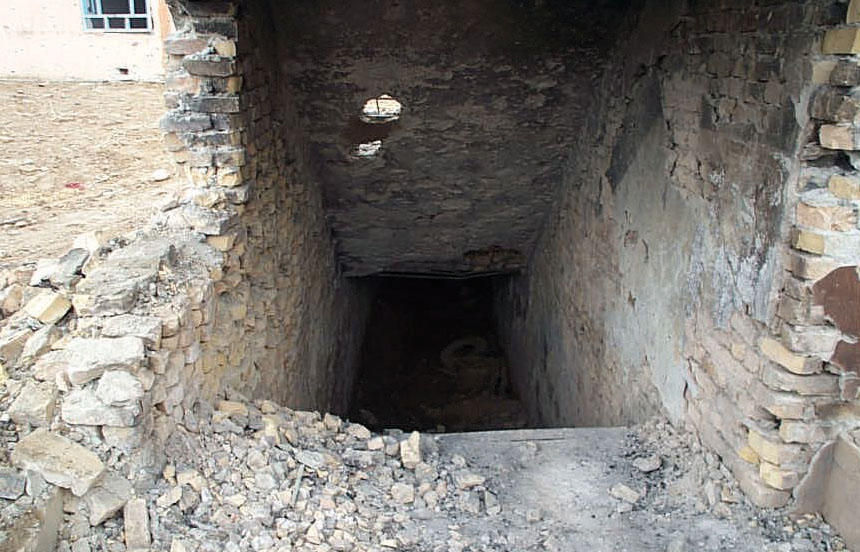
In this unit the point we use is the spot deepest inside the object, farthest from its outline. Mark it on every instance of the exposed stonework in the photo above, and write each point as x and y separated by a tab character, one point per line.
657	282
700	254
281	299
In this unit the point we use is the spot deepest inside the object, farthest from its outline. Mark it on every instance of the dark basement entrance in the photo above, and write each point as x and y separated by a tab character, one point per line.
431	360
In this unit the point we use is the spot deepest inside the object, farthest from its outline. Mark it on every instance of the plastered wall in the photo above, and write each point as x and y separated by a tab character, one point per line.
45	39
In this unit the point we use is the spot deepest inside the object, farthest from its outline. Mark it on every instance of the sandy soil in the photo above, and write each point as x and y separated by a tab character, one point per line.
76	157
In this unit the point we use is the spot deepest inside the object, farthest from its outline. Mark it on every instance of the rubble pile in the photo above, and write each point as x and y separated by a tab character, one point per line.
262	477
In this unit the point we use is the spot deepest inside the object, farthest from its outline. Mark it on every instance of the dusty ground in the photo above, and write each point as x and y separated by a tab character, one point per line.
76	157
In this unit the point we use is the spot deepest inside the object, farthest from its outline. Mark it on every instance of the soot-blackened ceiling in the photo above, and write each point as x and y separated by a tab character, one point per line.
493	92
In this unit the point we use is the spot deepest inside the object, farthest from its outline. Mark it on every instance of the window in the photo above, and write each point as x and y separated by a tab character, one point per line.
118	16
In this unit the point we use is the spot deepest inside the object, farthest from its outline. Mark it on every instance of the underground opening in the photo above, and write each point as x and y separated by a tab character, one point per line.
432	360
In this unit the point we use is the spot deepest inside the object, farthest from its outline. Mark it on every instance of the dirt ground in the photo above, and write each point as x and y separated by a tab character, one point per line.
76	157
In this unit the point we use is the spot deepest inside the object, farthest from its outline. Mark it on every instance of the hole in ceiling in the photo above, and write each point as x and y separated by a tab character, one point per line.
383	109
367	149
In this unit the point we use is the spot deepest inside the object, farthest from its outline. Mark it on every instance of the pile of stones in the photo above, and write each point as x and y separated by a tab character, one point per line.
262	477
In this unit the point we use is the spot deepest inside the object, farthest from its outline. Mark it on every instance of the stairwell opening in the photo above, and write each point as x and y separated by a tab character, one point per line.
636	167
431	358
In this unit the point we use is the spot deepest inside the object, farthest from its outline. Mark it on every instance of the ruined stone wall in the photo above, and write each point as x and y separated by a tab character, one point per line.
658	281
288	326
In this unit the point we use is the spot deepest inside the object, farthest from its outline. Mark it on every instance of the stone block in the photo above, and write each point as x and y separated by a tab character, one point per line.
83	407
810	242
178	121
842	246
773	450
797	364
48	308
849	387
839	137
844	187
784	405
34	405
410	450
205	221
148	328
748	454
759	493
107	497
792	431
232	408
820	340
184	45
68	270
782	380
234	85
88	359
226	48
43	271
230	157
182	82
12	343
49	365
204	65
215	25
777	477
169	322
211	9
11	298
118	388
838	218
853	15
136	524
214	104
222	243
39	343
126	439
833	104
845	73
113	287
58	460
842	41
810	267
800	312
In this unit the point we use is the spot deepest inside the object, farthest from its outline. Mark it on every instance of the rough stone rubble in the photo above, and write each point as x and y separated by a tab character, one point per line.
257	476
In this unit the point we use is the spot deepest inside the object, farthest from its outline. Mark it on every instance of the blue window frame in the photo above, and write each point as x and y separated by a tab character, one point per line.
117	16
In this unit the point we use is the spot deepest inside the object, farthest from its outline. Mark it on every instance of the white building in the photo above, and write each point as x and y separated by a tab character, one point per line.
83	39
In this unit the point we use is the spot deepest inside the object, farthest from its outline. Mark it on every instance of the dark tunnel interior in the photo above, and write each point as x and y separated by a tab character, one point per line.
431	358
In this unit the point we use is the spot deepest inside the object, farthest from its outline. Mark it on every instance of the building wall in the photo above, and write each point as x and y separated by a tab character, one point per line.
45	39
659	280
286	324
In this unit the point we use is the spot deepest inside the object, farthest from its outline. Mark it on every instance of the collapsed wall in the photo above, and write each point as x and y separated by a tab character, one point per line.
691	261
234	287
